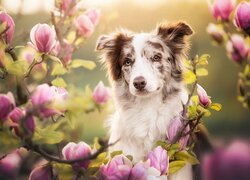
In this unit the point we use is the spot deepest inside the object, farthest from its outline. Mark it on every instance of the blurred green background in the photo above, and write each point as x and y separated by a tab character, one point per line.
232	121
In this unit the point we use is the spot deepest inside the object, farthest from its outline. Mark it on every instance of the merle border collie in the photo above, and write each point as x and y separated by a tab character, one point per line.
145	71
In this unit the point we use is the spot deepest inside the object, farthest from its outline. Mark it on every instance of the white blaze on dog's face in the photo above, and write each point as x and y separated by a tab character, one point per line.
146	62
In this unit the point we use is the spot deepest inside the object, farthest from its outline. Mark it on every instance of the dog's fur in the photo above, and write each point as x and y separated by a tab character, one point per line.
143	115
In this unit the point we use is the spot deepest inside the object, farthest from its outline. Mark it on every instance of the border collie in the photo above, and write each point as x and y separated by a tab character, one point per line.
145	71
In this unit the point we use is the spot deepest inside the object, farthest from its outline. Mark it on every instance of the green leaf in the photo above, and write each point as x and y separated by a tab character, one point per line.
115	153
195	99
189	77
48	136
201	72
59	82
216	106
58	70
63	171
186	156
101	158
192	111
54	58
206	112
76	63
174	166
17	67
247	70
203	59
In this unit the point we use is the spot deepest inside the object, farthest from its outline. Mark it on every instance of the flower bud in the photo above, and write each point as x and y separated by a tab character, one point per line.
9	27
242	16
101	93
119	167
221	9
45	95
237	48
216	33
203	97
63	52
75	151
84	25
159	159
68	6
94	15
43	38
42	173
7	104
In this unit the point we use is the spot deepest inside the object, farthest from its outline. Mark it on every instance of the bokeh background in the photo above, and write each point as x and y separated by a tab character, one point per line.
143	15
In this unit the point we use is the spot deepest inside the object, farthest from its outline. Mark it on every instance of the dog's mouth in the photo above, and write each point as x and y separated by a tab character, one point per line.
145	92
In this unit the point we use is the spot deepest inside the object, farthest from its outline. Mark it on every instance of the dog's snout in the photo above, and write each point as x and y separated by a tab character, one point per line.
139	83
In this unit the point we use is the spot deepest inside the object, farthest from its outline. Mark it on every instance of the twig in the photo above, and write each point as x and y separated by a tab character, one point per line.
2	157
33	65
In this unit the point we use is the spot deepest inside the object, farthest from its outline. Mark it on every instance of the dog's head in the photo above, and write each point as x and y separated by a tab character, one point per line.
146	61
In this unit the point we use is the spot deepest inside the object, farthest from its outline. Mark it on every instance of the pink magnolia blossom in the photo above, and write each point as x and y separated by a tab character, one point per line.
101	93
216	33
118	168
68	6
7	104
75	151
45	95
174	128
43	38
159	159
10	25
203	97
221	9
41	173
94	15
242	16
237	48
84	25
63	52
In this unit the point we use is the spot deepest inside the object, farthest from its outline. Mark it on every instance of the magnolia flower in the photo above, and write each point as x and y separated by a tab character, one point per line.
9	25
84	25
118	168
45	95
43	38
242	16
41	173
75	151
7	104
237	48
101	93
159	159
64	52
216	33
203	97
174	128
221	9
94	15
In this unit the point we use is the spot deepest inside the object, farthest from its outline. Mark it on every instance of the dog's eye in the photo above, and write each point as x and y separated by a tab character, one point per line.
127	62
157	57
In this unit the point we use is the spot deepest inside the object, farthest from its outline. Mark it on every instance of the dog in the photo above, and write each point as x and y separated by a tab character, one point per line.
145	72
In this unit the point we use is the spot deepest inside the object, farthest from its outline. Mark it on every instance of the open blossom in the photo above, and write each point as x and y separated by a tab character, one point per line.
101	93
41	173
45	95
7	104
94	15
237	48
43	38
75	151
242	16
118	168
216	33
10	26
221	9
174	128
63	52
203	97
159	159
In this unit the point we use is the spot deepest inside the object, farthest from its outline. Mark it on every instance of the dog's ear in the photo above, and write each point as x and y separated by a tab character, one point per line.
104	42
174	35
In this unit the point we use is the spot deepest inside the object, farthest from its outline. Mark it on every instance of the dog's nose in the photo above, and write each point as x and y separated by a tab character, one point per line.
139	83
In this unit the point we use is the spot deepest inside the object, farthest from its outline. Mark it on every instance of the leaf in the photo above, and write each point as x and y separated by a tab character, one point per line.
54	58
203	59
201	72
206	112
189	77
192	111
247	70
64	171
17	67
216	106
101	158
76	63
48	136
59	82
58	70
186	156
195	99
115	153
174	166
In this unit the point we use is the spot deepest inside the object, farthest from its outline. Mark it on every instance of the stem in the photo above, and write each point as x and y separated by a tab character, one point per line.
33	65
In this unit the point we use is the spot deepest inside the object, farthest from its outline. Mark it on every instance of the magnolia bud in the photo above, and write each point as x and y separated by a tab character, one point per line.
9	27
221	9
242	16
101	93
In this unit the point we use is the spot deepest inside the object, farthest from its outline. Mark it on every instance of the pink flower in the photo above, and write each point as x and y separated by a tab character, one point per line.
174	128
41	173
159	159
242	16
43	38
101	93
221	9
216	33
64	53
74	151
203	97
84	25
237	48
68	6
45	95
9	24
118	168
7	104
94	15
